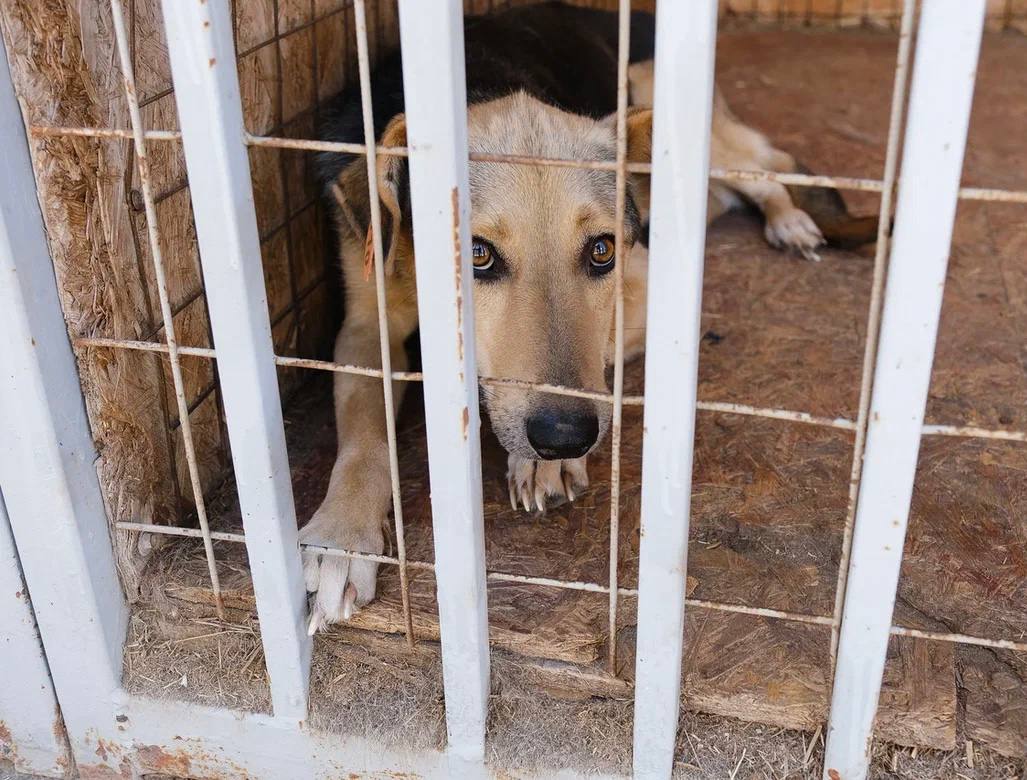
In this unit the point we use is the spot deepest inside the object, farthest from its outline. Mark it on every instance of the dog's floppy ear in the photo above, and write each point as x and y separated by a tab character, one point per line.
640	134
394	189
350	192
640	150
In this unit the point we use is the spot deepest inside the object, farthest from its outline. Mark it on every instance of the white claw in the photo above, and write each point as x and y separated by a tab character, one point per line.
568	487
533	483
349	596
316	621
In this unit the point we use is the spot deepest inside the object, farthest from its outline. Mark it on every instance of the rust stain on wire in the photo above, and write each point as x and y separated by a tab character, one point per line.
850	183
721	407
363	62
623	24
592	587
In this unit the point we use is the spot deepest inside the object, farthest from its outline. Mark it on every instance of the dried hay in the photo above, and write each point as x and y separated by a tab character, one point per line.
375	686
175	650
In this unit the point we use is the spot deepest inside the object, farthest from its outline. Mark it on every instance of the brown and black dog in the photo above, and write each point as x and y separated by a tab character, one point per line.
540	82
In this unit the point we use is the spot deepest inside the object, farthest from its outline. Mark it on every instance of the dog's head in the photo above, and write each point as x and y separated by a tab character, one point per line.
543	255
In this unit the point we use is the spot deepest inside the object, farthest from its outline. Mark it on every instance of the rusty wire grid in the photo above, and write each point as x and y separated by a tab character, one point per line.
153	234
383	318
886	186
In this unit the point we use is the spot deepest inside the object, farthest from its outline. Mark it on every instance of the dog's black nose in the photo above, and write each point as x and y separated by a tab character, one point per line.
557	434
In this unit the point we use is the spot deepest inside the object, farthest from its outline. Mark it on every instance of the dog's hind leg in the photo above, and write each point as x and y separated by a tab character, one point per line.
797	218
736	146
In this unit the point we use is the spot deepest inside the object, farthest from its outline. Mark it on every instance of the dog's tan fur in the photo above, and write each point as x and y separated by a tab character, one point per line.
546	321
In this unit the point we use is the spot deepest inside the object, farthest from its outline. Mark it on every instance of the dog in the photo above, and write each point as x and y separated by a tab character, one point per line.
541	81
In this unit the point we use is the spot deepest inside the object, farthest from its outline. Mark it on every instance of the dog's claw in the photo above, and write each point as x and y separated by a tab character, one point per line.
568	486
340	586
317	621
349	597
538	485
794	229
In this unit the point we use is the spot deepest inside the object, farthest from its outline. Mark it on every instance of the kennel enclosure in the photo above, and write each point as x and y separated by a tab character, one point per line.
82	614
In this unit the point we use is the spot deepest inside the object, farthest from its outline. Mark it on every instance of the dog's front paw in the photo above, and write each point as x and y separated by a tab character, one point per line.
340	585
542	484
794	229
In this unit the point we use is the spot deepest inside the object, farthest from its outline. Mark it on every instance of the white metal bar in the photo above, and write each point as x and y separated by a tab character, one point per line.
32	739
939	110
432	39
199	741
47	461
891	167
682	112
206	82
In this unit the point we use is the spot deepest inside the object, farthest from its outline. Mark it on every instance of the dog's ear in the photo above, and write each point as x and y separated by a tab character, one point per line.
394	189
640	150
640	134
639	121
350	192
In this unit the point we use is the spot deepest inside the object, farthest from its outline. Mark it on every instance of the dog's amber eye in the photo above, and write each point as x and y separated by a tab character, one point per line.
482	255
601	255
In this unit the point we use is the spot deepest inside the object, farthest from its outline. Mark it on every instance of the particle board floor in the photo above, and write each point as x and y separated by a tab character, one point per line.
770	496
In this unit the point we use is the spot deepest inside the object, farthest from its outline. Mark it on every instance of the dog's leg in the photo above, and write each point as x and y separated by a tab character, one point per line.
355	510
736	146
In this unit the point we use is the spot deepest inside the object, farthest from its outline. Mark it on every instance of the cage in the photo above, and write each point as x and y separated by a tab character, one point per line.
786	364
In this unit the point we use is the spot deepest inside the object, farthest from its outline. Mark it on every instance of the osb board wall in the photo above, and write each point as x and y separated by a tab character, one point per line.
292	54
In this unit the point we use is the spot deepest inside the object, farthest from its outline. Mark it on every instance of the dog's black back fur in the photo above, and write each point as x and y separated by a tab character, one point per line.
561	54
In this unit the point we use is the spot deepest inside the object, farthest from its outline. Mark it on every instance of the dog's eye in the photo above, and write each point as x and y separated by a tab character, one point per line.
482	256
601	255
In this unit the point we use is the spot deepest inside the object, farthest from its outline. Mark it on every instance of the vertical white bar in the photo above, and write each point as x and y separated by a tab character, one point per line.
47	459
432	37
682	101
210	113
33	737
939	112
